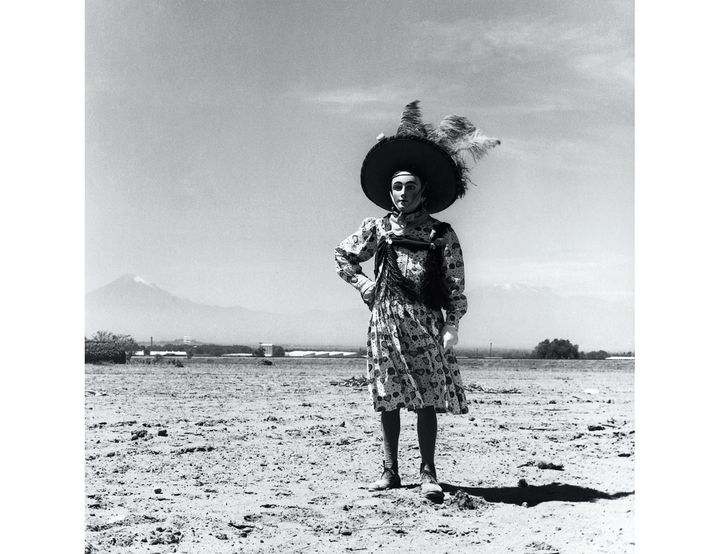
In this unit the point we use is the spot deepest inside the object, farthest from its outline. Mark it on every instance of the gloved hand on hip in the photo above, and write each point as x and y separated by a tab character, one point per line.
367	292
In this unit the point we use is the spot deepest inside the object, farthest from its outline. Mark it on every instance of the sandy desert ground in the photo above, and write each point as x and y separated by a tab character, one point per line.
244	457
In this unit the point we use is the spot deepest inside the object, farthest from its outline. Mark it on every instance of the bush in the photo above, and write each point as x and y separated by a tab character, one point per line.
558	349
595	355
105	346
103	351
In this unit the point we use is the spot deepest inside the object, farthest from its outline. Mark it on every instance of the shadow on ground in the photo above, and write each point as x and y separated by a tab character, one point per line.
534	495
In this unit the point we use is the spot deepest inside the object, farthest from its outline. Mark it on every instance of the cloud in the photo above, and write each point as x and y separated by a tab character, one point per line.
591	50
521	65
373	102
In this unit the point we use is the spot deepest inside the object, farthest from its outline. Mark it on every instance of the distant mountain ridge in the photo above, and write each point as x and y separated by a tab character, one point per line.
134	306
521	315
509	315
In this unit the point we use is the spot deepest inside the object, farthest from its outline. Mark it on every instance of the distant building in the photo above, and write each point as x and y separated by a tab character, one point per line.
168	353
187	340
300	354
267	348
321	354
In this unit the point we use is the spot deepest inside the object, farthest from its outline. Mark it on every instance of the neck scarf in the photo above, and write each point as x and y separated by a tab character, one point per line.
400	221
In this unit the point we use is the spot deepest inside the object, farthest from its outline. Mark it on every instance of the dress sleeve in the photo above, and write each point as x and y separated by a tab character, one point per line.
453	270
358	247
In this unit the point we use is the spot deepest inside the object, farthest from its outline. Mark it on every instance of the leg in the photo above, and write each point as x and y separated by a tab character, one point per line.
427	434
390	423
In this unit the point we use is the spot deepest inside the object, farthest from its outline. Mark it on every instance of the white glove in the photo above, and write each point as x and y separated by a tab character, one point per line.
449	336
368	292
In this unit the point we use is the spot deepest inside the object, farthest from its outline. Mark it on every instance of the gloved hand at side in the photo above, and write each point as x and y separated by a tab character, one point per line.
449	336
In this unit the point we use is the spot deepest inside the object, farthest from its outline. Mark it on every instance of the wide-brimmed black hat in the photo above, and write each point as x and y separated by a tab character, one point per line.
434	155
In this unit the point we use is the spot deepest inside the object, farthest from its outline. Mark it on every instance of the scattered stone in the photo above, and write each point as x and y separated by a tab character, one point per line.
549	465
124	423
625	454
194	449
541	546
164	536
162	433
522	483
355	382
139	434
244	528
464	501
596	428
157	491
210	422
479	388
221	536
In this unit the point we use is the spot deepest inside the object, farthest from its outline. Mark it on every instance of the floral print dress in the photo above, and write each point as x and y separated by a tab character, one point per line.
406	365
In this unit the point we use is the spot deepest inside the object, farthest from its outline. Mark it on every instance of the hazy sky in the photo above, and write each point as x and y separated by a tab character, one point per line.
224	140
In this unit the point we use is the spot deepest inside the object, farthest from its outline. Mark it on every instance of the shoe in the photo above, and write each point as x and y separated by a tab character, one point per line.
429	486
389	480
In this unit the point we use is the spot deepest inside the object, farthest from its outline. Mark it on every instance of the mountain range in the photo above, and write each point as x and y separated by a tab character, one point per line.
510	315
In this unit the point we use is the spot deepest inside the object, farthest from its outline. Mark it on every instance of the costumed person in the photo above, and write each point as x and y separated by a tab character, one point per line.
416	297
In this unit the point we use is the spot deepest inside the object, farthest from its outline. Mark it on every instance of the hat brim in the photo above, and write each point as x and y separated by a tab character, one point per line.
420	156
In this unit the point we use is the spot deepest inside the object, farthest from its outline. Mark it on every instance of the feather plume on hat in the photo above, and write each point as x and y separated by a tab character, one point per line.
441	156
411	124
455	134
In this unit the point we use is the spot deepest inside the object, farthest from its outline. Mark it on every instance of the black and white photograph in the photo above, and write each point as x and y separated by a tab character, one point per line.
359	276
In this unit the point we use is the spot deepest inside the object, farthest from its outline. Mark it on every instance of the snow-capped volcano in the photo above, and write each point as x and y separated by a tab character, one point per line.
142	281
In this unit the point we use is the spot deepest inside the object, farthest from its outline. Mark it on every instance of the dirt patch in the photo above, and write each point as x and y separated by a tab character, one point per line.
277	458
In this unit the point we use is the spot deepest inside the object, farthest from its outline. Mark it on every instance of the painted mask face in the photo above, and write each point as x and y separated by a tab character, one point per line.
406	192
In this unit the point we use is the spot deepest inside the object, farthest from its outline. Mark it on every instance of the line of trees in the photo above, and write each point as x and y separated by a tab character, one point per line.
546	349
563	349
105	346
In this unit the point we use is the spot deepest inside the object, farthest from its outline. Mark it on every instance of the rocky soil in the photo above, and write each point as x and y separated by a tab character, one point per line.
245	457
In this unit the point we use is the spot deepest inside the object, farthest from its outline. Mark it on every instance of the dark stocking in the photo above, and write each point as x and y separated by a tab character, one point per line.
390	422
427	433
